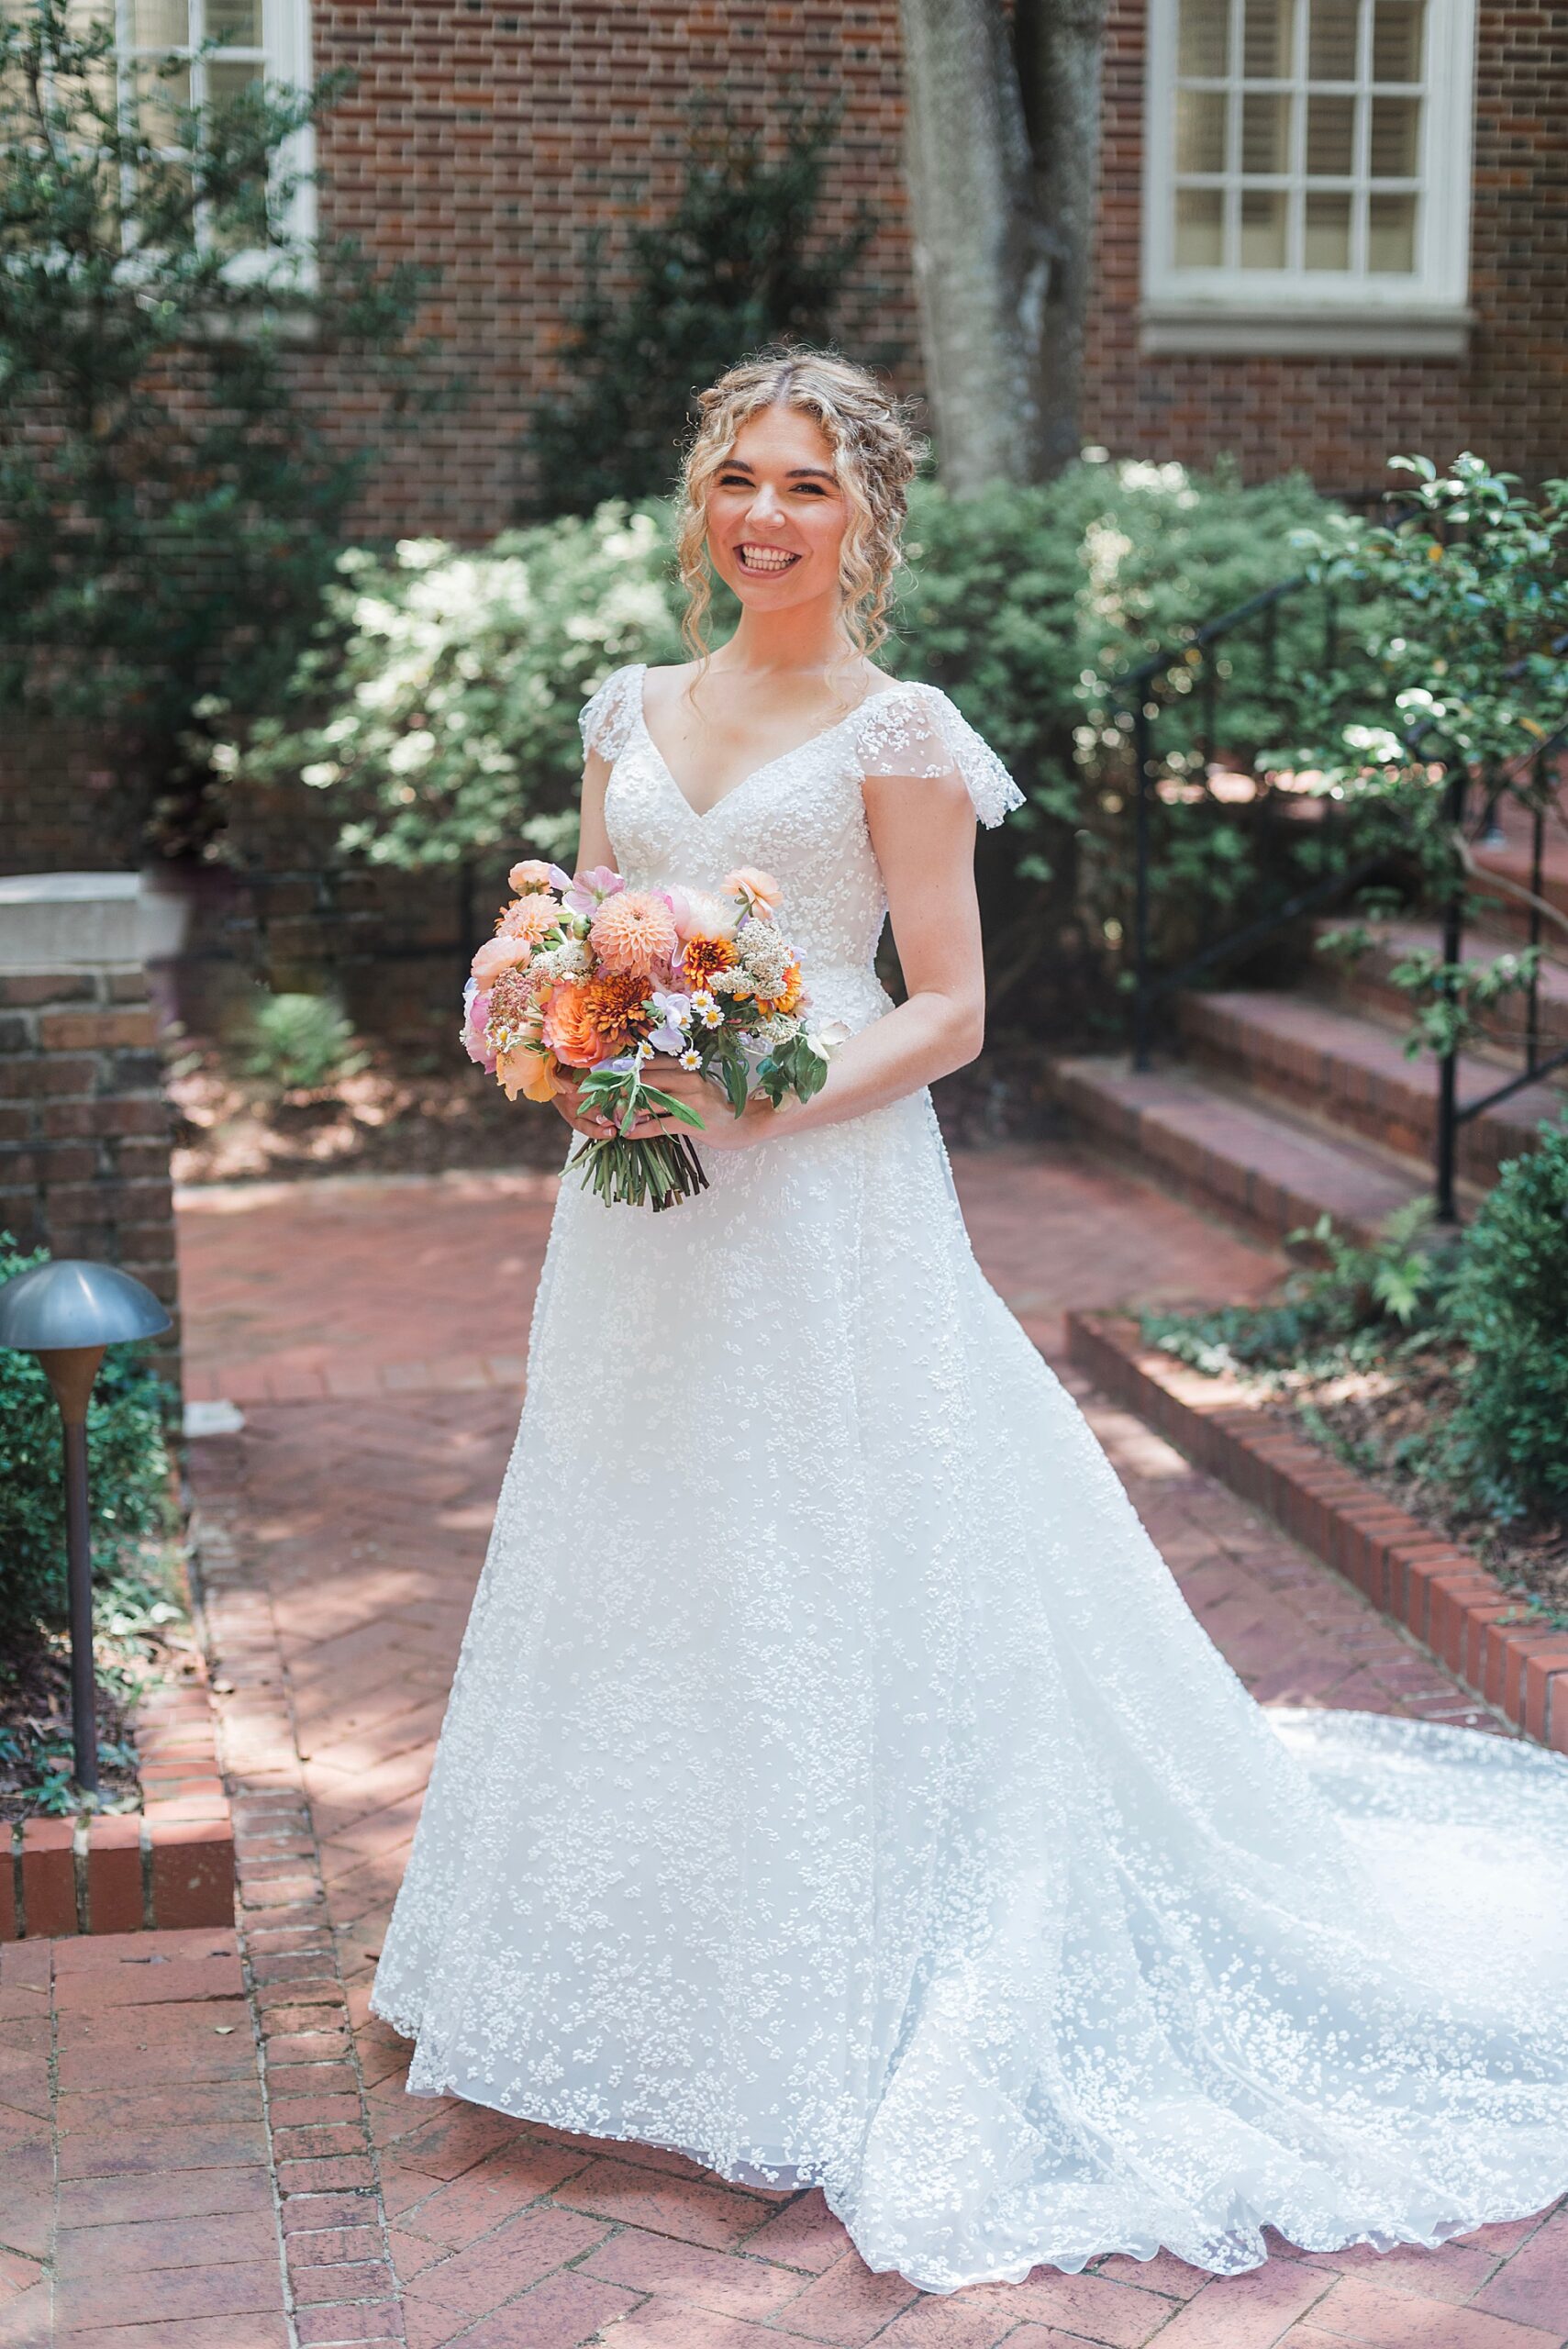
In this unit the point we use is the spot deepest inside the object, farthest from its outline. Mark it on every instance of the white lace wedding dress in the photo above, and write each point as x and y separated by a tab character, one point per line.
835	1786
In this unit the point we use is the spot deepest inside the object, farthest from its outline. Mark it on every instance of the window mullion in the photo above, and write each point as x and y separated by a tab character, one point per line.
1295	150
1234	109
1361	153
1425	145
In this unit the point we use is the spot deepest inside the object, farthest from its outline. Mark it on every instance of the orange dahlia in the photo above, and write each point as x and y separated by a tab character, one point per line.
701	957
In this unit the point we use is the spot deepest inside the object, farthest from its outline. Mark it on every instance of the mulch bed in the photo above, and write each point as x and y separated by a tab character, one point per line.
35	1757
382	1122
1364	1417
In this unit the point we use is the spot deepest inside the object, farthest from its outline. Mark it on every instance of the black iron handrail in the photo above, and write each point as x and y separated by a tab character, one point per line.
1453	1113
1139	713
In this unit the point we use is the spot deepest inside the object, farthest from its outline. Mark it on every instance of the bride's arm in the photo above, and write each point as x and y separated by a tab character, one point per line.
922	830
593	840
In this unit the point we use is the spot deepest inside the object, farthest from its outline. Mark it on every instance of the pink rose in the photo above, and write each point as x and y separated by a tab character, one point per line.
499	955
534	873
474	1029
698	914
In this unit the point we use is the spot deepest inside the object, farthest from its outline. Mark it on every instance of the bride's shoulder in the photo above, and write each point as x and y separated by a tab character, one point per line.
608	715
905	727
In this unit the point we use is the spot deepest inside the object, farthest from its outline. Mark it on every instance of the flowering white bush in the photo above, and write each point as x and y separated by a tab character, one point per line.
445	689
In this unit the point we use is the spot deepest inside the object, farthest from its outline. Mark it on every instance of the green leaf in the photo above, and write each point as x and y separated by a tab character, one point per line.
669	1104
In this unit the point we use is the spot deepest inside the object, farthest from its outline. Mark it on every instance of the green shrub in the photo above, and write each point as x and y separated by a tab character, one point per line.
441	703
157	550
440	708
1509	1305
299	1039
128	1466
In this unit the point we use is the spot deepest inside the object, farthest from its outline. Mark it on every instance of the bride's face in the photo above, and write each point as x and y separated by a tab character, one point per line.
776	513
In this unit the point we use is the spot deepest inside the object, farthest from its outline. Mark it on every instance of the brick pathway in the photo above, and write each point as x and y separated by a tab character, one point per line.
210	2200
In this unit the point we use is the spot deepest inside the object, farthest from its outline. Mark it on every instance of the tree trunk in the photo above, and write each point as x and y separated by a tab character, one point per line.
1059	45
1003	140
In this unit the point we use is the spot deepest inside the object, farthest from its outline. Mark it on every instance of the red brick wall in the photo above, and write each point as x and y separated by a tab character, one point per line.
1337	418
84	1128
488	142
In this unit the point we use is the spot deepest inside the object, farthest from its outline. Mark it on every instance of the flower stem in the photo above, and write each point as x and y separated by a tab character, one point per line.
659	1172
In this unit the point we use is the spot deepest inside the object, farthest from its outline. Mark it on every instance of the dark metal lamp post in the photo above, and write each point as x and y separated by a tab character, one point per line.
66	1314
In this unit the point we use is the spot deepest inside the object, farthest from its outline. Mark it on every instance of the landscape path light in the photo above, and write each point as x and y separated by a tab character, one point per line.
67	1313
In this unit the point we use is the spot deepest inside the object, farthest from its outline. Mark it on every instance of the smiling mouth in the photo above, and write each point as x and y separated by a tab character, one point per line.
766	562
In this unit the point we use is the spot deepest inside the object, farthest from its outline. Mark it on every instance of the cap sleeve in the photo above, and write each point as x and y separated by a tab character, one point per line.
915	731
607	719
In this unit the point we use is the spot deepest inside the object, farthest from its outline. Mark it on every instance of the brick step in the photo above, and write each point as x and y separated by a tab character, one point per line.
1511	861
1366	986
1353	1074
1262	1166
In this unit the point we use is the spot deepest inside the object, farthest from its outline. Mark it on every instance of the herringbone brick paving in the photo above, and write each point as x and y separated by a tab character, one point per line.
239	2165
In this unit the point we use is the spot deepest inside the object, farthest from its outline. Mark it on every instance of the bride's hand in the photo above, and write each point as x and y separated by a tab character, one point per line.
721	1129
568	1099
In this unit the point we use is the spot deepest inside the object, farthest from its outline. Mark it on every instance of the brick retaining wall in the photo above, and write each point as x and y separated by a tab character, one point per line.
84	1126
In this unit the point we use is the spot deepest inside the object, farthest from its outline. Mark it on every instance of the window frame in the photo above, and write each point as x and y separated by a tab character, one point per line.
284	58
1236	309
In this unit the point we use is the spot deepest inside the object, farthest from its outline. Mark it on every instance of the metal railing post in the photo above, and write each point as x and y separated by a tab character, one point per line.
1448	1066
1537	859
1143	751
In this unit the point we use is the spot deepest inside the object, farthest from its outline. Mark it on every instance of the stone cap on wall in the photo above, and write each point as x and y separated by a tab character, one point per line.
70	922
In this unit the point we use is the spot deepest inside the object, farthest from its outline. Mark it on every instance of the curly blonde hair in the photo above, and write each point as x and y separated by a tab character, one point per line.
875	453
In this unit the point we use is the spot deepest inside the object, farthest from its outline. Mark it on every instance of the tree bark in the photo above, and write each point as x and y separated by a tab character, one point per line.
1002	156
1060	46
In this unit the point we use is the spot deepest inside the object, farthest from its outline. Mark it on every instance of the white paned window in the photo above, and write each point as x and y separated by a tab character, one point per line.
219	47
1308	174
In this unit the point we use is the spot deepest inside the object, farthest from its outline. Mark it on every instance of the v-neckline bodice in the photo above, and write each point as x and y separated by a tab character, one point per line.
701	815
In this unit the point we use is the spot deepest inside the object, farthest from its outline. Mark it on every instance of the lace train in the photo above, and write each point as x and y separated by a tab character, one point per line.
835	1786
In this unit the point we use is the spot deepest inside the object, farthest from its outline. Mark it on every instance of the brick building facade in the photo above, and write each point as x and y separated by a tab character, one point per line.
490	142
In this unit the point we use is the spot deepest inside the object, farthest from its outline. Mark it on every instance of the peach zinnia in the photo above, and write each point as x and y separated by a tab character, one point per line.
529	918
632	931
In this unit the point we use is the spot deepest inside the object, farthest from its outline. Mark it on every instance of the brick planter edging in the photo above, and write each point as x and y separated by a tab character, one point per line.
1439	1591
171	1863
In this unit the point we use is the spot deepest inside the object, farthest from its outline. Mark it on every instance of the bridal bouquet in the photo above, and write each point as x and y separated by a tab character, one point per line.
585	975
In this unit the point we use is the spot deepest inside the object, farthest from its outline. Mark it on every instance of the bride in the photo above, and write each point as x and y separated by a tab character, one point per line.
835	1785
